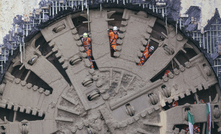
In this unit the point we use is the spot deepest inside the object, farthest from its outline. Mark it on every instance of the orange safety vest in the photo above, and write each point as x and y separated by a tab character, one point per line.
113	39
146	52
146	55
87	48
201	100
87	45
174	104
196	128
167	73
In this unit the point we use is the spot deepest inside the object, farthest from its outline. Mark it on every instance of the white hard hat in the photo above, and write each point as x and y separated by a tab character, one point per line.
152	47
85	35
115	28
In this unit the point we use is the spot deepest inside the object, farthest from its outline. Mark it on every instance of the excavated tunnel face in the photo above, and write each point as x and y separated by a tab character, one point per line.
54	90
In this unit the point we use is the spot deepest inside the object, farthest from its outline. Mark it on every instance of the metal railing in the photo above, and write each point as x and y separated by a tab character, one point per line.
207	40
48	10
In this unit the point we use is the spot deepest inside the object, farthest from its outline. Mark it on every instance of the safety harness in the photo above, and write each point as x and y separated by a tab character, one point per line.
88	46
145	59
113	38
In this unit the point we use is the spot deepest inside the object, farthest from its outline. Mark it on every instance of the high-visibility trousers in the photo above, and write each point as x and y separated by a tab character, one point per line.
114	46
88	52
142	61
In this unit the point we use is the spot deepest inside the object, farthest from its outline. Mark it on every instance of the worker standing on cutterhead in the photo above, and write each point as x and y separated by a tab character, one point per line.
87	47
146	54
113	39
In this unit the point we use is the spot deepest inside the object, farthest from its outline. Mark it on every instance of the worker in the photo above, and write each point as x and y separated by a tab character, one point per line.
174	104
146	54
167	72
201	100
113	39
87	47
196	128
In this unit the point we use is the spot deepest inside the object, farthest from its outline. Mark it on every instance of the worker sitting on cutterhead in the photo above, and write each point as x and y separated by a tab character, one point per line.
87	47
146	54
113	39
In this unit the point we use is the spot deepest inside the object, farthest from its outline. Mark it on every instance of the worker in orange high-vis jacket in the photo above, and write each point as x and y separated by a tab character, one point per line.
173	104
167	72
146	54
87	47
201	101
196	128
113	39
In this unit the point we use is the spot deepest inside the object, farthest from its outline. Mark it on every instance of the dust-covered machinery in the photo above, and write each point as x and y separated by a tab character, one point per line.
53	89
